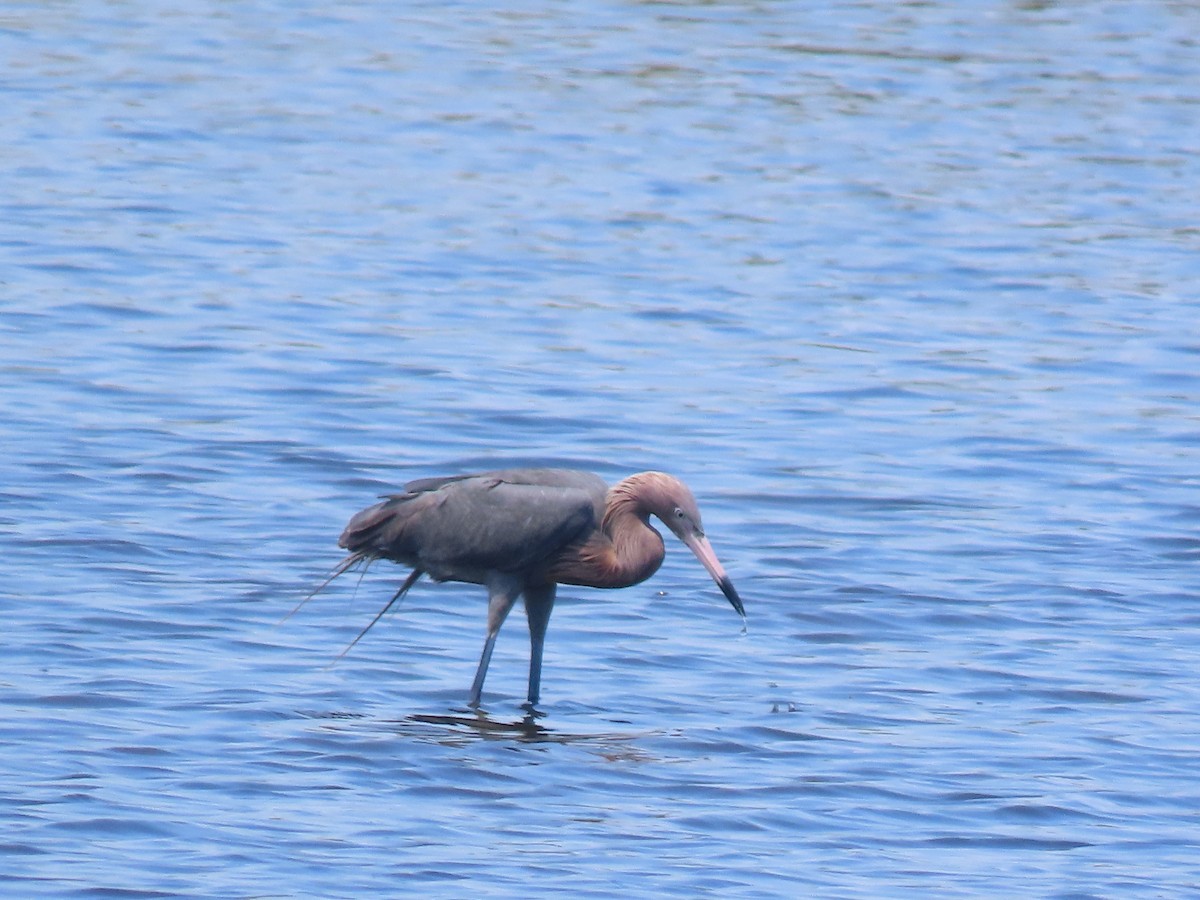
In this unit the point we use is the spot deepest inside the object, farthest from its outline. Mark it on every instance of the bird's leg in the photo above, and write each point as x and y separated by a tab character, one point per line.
539	601
502	594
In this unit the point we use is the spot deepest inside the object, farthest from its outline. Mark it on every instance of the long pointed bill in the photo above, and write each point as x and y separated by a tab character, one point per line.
699	545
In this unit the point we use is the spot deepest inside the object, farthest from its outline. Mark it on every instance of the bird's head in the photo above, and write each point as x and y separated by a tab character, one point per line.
668	499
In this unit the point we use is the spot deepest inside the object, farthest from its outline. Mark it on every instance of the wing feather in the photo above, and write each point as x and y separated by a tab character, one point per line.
463	528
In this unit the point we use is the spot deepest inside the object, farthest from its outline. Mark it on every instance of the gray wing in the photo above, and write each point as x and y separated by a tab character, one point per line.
462	528
564	478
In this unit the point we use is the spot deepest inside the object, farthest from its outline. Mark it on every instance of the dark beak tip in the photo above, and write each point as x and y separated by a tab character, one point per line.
731	595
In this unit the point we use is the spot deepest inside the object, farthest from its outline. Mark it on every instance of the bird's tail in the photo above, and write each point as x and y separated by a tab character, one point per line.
369	532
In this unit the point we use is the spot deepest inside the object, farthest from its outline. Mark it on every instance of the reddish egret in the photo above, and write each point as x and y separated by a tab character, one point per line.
524	532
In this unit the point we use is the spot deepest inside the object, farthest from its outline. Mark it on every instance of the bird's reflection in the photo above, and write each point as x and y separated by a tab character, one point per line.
463	727
526	729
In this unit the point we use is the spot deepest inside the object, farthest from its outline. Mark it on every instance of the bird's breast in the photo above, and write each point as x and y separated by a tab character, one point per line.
599	562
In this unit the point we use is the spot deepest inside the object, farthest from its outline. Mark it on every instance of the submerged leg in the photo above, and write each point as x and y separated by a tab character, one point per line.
539	602
502	594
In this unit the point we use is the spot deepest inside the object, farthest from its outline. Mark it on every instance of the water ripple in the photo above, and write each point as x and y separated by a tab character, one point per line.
905	294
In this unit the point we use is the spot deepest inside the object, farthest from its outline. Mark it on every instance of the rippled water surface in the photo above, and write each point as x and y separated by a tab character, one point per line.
906	293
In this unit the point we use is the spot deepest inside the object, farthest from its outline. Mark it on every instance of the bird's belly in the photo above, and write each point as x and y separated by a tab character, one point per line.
612	579
465	576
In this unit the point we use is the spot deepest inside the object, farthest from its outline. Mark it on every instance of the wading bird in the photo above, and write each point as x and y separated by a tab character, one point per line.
523	532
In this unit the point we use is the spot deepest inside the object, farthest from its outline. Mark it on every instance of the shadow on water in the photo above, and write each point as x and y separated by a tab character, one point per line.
459	729
479	725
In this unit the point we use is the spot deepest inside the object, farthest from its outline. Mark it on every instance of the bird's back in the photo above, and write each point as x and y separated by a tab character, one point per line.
461	528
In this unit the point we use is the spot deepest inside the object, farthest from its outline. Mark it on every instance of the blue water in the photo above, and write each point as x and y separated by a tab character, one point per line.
906	293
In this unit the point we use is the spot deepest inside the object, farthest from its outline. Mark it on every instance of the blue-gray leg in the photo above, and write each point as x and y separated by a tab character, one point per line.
502	594
539	602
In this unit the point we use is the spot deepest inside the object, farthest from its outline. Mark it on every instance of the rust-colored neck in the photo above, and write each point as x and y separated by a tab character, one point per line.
623	551
637	547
